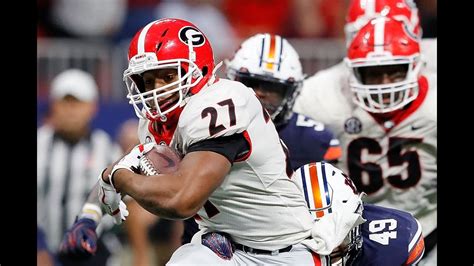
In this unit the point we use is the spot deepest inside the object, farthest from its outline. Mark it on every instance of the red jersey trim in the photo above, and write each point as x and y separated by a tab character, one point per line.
249	141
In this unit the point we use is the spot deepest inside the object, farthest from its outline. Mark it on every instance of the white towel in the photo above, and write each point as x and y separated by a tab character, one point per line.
329	231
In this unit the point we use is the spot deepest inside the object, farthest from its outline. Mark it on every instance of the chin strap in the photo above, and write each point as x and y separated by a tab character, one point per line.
213	77
216	68
211	81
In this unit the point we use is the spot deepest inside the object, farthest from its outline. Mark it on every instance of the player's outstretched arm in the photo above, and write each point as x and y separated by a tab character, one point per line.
178	195
81	239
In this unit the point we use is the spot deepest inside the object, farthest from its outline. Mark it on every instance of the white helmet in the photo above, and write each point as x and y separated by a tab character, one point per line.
326	190
271	60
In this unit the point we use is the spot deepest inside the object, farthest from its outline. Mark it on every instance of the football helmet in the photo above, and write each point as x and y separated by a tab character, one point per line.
360	12
384	42
326	189
269	62
163	44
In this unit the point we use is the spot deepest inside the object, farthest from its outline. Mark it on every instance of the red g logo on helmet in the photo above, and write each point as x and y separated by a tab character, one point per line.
191	33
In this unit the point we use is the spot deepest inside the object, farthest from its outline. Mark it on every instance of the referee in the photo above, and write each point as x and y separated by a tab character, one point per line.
70	156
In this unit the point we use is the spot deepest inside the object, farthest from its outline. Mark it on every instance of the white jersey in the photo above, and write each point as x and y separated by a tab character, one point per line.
257	203
394	162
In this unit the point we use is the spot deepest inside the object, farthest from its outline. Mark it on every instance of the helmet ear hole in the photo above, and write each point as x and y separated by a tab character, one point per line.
204	70
158	46
137	79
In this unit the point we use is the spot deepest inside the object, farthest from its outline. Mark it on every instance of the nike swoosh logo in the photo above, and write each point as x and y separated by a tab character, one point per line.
413	127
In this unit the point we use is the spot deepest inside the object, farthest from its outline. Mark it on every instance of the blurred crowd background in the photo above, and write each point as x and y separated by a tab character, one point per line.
93	35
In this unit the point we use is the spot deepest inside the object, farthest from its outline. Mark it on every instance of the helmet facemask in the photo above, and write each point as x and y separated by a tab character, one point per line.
349	249
147	103
384	97
287	91
269	63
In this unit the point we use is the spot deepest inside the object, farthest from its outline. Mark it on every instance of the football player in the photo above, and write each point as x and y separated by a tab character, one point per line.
336	78
271	67
234	176
387	237
385	117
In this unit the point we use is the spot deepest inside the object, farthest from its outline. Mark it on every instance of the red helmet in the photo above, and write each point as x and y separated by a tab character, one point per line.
361	11
167	43
384	42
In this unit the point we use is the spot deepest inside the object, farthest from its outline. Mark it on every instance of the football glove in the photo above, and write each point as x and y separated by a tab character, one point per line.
131	161
81	240
111	201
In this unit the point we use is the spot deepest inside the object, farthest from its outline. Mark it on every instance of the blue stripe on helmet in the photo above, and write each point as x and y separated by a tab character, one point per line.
326	190
305	188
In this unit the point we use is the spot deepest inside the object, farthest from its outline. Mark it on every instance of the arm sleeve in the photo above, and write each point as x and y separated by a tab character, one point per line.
232	147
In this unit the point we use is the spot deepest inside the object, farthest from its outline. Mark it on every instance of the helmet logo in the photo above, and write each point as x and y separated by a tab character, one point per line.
353	125
191	33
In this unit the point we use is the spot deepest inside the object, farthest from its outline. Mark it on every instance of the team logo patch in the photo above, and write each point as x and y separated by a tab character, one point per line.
191	33
353	125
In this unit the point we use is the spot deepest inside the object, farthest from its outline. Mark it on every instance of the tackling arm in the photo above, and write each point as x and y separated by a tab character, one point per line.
81	239
92	208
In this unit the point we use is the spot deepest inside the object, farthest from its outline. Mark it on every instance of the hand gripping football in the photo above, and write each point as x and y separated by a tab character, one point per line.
161	159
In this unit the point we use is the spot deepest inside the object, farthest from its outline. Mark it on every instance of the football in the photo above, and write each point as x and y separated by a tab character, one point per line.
161	159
